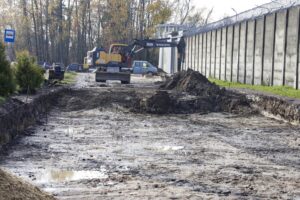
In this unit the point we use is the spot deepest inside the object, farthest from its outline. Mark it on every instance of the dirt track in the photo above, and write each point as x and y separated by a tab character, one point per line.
88	151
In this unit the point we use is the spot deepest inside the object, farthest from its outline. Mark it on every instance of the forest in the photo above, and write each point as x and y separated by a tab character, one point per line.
64	30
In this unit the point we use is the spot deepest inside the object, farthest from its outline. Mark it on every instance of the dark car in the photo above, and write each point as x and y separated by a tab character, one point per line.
75	67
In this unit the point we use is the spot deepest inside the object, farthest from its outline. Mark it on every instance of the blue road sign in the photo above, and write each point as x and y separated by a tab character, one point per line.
9	35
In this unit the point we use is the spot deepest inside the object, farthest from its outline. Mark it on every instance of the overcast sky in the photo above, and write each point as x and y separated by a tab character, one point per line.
224	7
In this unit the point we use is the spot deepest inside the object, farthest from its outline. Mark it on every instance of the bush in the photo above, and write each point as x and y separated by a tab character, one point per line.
29	75
7	81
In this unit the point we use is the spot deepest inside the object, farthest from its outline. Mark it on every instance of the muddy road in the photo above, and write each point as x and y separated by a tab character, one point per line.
88	149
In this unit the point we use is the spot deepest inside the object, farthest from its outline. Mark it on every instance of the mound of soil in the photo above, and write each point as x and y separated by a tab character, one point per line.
192	92
13	188
159	103
193	83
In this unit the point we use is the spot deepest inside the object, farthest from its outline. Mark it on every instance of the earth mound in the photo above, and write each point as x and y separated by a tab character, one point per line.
12	187
193	83
191	92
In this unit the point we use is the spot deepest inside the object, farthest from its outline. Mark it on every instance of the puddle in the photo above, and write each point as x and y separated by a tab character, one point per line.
58	176
172	148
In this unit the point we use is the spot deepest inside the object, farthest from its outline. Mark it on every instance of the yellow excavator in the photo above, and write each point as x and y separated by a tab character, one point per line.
116	63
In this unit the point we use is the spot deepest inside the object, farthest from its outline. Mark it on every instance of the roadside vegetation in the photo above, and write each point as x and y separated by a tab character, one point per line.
285	91
7	81
24	76
29	75
70	78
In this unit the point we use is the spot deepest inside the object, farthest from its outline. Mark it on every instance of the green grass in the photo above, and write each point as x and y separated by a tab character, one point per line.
2	99
278	90
70	78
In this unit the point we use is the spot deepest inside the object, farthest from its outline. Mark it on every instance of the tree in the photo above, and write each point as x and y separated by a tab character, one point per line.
29	75
188	14
7	82
160	13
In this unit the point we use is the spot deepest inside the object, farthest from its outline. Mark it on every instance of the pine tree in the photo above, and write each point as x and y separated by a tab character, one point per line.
29	76
7	82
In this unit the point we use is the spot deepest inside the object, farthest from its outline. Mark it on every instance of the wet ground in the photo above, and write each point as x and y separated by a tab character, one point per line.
110	153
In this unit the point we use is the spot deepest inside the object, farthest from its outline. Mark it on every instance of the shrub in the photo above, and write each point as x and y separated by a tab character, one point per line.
7	81
29	75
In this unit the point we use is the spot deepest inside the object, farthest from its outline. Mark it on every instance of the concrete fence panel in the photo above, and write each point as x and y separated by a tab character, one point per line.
213	53
218	54
264	50
201	53
205	53
279	48
291	47
223	52
235	53
198	52
242	53
269	49
250	51
229	49
259	51
208	54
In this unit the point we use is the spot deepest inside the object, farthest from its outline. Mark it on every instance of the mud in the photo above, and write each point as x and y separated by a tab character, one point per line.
95	147
20	112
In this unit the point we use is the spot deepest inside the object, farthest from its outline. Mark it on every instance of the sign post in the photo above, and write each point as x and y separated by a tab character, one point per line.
9	35
9	38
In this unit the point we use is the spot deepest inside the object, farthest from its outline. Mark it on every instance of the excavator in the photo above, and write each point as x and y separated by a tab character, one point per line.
116	63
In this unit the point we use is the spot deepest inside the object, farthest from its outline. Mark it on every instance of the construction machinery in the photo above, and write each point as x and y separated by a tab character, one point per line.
116	63
85	65
57	72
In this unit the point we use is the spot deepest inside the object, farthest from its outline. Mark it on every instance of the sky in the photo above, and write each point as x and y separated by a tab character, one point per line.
224	7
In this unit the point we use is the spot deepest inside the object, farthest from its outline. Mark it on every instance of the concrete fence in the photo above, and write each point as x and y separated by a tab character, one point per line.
261	51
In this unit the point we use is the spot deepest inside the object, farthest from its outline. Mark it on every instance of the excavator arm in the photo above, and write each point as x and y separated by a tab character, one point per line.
138	45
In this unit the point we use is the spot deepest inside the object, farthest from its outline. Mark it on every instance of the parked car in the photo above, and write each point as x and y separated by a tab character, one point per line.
74	67
143	67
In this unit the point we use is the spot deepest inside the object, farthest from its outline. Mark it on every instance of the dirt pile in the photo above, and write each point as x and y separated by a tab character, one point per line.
13	188
191	92
159	103
193	83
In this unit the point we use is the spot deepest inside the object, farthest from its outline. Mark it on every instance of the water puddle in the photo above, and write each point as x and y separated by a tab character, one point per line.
172	148
57	176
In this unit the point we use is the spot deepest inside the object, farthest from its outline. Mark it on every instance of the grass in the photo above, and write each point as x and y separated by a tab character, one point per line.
285	91
70	78
2	99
